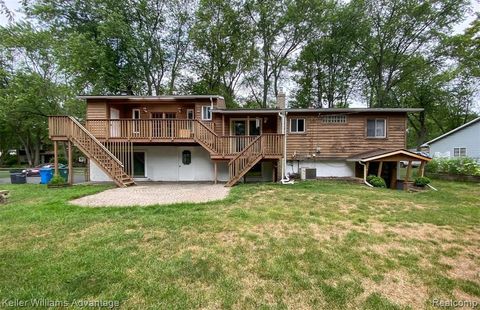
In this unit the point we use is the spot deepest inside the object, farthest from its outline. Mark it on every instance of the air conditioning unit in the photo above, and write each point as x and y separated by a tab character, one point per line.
308	174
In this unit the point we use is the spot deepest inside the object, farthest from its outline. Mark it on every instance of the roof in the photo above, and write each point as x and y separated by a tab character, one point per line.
377	154
452	131
176	97
323	110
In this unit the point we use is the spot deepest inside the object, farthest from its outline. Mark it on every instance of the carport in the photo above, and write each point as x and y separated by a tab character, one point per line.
386	164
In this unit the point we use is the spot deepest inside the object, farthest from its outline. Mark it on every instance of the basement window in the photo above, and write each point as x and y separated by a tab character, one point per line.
186	157
297	125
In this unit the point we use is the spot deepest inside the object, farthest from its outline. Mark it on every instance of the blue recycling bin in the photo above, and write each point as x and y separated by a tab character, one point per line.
46	174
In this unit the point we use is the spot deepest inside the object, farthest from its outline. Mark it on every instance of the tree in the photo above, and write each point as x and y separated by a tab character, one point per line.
328	61
394	32
281	26
223	40
33	88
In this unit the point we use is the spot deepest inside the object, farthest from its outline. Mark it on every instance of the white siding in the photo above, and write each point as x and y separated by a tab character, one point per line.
162	163
324	168
468	137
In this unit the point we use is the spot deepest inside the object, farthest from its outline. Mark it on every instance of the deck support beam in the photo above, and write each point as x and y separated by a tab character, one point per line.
215	167
55	156
70	163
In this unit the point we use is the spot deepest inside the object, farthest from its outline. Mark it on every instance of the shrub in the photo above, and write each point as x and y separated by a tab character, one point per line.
57	180
376	181
421	181
462	166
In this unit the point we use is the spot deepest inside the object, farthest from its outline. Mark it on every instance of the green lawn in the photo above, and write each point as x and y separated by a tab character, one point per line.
310	245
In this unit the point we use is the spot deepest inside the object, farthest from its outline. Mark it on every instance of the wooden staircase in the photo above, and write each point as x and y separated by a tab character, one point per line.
262	146
74	131
245	160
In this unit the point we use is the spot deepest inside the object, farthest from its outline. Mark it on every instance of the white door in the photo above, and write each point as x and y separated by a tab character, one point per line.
114	123
186	170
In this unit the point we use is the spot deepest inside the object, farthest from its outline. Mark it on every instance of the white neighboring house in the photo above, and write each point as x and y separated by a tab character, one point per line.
459	142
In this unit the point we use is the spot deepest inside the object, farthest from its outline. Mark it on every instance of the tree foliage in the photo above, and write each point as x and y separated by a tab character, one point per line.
325	53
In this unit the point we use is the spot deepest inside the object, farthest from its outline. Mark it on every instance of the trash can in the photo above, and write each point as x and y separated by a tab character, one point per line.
46	174
63	173
18	177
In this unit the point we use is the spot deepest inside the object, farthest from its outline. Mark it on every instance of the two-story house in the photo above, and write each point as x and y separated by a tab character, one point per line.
196	138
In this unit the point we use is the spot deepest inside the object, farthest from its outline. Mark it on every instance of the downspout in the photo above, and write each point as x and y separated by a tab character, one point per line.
283	116
365	174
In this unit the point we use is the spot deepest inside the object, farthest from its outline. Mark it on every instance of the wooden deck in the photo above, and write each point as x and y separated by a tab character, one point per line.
168	131
110	143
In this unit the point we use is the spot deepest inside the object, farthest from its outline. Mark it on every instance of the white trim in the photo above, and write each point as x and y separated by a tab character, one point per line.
193	113
460	151
211	113
135	128
384	128
297	118
145	174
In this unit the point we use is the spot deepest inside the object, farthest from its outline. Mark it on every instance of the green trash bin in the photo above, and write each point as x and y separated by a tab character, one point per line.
63	173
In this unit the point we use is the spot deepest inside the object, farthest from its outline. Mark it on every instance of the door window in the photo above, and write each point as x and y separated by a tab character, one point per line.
186	157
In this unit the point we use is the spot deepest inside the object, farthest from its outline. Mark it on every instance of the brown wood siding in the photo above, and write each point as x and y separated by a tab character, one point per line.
343	140
97	109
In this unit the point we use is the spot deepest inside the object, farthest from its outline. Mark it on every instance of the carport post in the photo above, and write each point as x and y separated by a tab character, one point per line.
380	166
70	163
422	168
55	156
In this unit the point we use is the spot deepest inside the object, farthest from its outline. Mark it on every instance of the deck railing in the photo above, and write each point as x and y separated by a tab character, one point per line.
153	130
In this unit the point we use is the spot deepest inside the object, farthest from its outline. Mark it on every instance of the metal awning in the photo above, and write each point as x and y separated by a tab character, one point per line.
386	155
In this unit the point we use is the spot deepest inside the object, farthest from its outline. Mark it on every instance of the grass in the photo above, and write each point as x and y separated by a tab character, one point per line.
328	245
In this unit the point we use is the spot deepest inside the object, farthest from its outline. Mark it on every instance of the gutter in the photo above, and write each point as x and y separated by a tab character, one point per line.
365	173
283	116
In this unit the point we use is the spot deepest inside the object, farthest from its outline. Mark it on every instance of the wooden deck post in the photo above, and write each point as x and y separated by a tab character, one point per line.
55	156
407	175
70	162
422	168
216	172
380	166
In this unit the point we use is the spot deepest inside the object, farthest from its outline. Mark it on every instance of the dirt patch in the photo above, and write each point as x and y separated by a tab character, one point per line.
398	287
462	267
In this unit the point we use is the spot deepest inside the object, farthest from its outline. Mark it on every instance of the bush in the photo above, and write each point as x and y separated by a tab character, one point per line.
57	180
421	181
460	166
376	181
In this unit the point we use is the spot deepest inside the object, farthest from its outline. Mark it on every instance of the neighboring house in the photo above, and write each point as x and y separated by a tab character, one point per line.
459	142
196	138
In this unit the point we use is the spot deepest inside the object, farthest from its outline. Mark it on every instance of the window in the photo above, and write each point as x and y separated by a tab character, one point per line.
136	116
335	119
186	157
206	113
190	114
297	125
459	151
376	128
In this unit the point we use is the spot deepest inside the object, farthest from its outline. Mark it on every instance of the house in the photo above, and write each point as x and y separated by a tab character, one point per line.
459	142
196	138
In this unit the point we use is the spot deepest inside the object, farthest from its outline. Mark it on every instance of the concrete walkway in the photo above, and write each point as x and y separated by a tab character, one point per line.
154	193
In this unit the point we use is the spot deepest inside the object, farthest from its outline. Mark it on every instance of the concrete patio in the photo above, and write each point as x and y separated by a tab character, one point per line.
155	193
